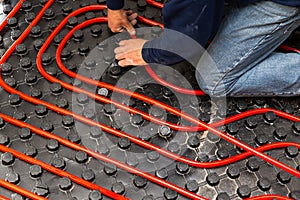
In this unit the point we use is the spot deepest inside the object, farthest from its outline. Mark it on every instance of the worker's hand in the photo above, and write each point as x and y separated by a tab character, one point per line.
130	52
120	20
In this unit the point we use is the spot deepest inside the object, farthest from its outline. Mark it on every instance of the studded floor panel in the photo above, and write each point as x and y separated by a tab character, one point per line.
75	125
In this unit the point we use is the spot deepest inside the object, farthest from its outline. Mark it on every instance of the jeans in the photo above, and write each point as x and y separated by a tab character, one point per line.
244	61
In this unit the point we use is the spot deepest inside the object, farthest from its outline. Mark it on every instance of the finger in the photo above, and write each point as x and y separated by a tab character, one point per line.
114	29
121	63
125	62
132	16
133	22
118	50
121	56
117	29
121	29
129	12
123	42
128	26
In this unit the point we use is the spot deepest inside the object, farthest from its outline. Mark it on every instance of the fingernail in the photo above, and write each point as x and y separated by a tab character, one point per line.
133	32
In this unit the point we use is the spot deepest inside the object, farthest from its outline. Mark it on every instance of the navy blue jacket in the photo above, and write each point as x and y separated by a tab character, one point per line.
186	16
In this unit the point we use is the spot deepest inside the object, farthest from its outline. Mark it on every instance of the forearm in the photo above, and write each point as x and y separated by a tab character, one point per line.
195	21
170	48
158	51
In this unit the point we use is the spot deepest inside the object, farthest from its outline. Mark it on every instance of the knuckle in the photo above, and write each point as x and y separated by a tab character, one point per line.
118	56
121	63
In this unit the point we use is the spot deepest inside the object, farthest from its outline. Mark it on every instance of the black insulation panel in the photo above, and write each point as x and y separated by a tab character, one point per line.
244	178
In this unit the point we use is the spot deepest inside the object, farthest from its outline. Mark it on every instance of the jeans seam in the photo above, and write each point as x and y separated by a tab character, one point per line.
267	94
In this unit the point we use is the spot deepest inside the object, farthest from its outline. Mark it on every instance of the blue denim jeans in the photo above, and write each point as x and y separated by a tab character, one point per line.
245	63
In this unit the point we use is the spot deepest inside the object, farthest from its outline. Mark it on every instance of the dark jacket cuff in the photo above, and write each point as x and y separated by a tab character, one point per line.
115	4
152	53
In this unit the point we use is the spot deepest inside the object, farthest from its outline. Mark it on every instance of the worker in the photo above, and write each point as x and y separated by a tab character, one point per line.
242	48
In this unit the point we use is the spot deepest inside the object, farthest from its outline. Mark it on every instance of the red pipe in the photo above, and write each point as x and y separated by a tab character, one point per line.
94	154
287	48
153	74
168	154
20	190
62	173
155	4
102	84
128	168
50	106
160	80
172	86
255	112
2	80
3	198
269	197
206	126
25	33
108	86
149	22
142	97
99	156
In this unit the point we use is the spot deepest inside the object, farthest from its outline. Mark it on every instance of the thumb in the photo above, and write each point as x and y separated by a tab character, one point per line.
128	26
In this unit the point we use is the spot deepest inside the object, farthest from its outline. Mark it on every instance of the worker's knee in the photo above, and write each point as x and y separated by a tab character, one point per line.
213	86
214	90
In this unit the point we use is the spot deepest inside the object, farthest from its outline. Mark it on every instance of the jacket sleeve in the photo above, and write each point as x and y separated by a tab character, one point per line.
115	4
196	19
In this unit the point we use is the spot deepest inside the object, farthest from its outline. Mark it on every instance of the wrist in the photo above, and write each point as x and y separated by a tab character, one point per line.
113	12
141	53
